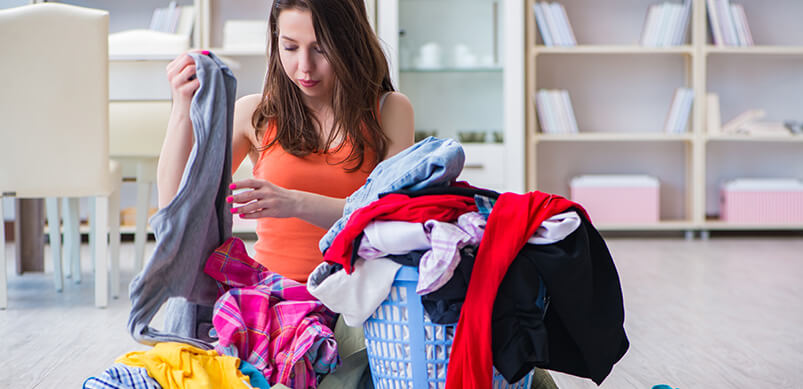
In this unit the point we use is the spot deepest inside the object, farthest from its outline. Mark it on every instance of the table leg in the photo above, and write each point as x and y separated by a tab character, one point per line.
29	240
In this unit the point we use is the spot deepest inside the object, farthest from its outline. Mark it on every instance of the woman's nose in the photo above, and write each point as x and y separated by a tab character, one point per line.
305	62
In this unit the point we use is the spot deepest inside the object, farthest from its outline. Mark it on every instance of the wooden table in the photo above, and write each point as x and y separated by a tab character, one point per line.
29	240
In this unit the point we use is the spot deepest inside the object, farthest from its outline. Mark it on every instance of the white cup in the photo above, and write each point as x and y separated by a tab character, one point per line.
429	56
463	57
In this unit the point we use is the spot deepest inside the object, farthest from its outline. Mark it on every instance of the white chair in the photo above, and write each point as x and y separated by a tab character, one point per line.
136	133
54	110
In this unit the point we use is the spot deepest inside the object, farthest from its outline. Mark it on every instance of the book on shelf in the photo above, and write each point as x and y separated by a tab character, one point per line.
677	119
666	24
546	113
555	112
740	18
566	26
728	23
174	19
685	17
540	19
748	123
714	24
553	24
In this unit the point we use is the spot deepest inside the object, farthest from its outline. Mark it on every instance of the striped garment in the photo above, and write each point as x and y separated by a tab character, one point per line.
120	376
270	321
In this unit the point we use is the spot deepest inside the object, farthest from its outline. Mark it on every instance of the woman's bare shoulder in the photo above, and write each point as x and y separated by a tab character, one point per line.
398	122
244	109
246	105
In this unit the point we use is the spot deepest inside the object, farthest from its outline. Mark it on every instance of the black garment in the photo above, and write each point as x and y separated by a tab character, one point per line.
443	305
519	338
585	317
447	190
412	258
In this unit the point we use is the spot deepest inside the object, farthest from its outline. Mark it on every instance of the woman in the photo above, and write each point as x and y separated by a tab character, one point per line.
327	115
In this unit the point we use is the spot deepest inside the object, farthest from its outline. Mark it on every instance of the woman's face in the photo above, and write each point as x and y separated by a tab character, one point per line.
302	57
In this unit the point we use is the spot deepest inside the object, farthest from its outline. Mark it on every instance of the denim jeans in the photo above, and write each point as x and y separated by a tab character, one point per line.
428	163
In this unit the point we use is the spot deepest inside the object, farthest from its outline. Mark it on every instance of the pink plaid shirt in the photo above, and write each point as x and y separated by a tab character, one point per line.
270	321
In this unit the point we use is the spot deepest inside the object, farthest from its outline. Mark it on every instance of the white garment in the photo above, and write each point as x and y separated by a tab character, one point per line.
357	295
396	237
556	228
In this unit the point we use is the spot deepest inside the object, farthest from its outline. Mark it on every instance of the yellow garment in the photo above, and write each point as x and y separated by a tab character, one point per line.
181	366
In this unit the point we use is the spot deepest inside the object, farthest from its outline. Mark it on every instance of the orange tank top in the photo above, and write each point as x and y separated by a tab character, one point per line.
289	246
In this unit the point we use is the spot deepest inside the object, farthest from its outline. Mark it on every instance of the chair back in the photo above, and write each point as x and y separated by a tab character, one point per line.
137	128
54	104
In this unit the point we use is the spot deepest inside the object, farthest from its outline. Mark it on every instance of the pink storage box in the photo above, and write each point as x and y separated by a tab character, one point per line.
617	199
765	201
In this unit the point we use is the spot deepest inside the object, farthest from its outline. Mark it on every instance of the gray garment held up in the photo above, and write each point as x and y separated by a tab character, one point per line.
196	221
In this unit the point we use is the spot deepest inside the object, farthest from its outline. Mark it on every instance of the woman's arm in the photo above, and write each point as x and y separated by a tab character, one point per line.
179	138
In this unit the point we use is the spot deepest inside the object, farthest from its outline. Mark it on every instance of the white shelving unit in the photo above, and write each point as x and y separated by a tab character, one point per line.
450	97
622	92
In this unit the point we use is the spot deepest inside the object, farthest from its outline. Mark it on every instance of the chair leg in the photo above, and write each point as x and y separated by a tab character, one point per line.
68	239
3	279
101	270
91	236
114	241
71	223
54	230
145	178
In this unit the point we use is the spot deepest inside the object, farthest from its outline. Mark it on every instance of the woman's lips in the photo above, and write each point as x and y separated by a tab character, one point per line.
308	83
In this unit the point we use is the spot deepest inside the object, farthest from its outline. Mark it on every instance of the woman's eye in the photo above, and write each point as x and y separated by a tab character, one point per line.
291	48
319	50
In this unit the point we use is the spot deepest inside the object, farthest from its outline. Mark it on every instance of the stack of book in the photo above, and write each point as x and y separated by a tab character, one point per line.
555	112
728	24
173	19
553	23
666	24
678	118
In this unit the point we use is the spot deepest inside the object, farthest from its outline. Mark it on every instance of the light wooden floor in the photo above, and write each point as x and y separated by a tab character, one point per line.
723	313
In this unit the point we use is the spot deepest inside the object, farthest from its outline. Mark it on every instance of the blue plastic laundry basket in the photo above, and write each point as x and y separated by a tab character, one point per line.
405	349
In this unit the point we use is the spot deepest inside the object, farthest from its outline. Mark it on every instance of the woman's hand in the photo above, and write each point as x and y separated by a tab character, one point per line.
181	75
263	200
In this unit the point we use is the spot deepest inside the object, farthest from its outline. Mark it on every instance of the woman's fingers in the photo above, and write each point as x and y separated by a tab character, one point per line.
175	66
249	183
244	197
185	82
249	208
256	215
264	199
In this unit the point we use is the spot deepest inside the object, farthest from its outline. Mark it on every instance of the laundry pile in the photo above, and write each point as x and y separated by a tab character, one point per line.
527	278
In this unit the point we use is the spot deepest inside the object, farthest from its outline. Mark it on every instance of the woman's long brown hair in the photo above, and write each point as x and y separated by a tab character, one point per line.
361	76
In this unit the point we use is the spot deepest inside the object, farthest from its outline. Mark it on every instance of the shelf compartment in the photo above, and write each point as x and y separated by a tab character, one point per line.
219	51
612	49
664	225
487	69
724	226
613	137
756	138
755	50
